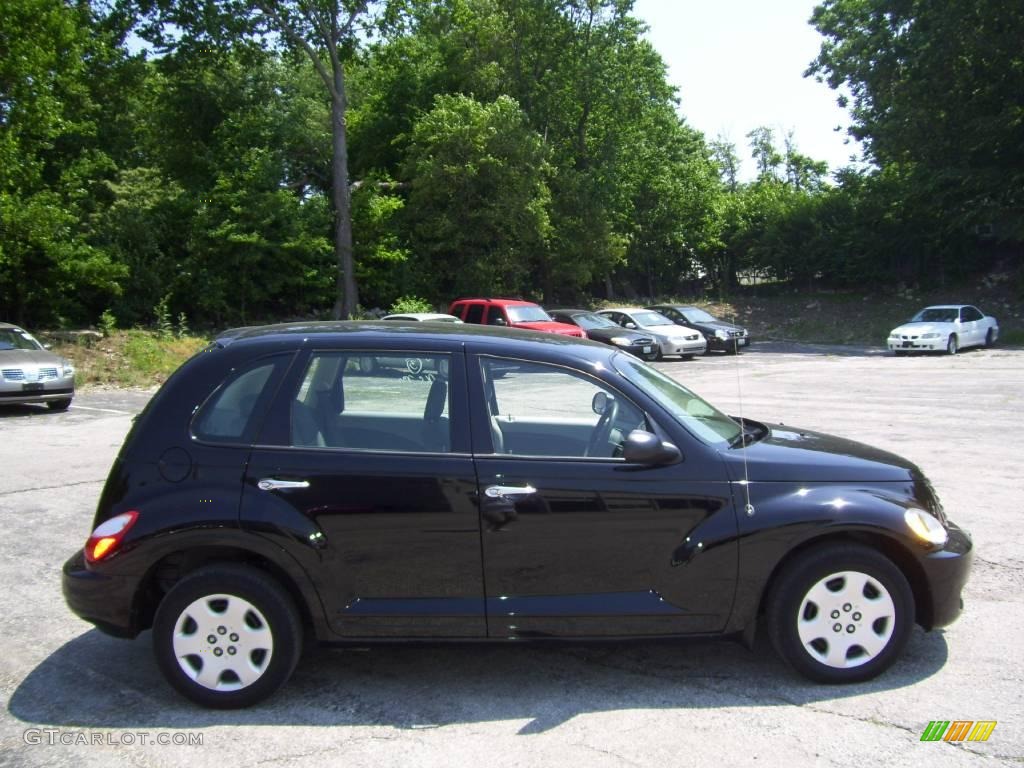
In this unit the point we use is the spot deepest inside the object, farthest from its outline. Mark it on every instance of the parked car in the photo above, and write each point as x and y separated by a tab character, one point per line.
268	495
727	337
423	317
672	340
600	328
30	373
944	328
510	313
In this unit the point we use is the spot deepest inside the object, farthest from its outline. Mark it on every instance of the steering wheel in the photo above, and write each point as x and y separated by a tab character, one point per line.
603	430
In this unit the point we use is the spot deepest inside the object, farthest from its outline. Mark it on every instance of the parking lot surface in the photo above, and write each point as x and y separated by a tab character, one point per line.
72	696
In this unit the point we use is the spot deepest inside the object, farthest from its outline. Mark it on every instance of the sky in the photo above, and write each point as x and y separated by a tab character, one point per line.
739	64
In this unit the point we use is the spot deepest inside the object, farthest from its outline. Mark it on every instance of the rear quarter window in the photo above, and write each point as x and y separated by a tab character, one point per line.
229	414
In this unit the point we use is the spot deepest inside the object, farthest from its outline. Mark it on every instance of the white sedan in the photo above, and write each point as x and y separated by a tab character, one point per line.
944	328
672	339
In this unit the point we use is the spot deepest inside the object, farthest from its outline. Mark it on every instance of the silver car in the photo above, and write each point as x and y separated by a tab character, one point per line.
31	374
672	339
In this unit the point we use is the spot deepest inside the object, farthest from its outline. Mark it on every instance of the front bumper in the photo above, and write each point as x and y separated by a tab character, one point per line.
684	348
727	345
105	600
946	572
20	391
643	351
917	345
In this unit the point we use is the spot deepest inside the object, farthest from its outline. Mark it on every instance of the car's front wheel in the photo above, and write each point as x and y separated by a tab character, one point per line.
990	338
952	346
841	614
59	405
227	636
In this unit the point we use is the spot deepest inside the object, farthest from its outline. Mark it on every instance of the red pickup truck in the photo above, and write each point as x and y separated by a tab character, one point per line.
510	313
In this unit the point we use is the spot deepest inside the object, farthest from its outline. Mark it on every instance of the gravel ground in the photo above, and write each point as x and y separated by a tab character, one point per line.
101	701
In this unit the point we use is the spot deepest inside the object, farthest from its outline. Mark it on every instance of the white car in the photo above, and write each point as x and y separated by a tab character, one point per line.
424	317
672	339
944	328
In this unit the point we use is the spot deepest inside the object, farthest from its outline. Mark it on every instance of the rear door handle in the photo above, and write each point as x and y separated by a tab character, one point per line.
273	484
508	491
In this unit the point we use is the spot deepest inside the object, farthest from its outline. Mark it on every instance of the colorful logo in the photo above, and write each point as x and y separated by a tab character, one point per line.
958	730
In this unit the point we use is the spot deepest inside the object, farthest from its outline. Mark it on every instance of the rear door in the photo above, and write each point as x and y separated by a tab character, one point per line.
365	476
575	541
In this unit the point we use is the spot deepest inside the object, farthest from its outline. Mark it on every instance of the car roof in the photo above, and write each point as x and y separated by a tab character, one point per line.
626	309
6	326
503	302
681	307
571	311
495	339
947	306
421	316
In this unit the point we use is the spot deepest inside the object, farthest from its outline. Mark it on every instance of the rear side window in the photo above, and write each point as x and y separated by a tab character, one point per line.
228	415
374	401
475	313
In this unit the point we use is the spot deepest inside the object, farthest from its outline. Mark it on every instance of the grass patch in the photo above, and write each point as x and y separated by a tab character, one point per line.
133	358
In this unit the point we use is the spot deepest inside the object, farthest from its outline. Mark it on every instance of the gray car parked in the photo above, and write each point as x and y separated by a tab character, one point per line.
29	373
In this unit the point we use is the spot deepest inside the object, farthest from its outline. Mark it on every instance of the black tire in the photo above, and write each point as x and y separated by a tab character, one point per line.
59	405
262	608
686	357
834	573
899	352
660	355
990	338
952	346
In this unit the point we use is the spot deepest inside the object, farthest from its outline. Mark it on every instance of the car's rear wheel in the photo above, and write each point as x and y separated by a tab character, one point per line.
990	338
952	346
59	405
841	614
227	636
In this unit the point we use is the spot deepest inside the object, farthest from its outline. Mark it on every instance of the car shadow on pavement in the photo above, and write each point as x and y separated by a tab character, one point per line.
95	681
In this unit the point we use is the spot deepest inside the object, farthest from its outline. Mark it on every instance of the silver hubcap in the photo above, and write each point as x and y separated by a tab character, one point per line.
846	619
223	642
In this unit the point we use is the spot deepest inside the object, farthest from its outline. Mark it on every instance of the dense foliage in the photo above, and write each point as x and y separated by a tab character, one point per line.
528	147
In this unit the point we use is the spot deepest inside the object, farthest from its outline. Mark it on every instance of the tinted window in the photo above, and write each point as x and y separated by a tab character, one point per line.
475	314
970	313
544	410
373	401
226	416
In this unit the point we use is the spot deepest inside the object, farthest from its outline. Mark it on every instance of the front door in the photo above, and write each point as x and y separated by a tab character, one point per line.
576	542
364	474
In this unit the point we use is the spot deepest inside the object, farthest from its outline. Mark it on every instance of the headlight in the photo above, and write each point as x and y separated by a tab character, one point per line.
69	368
723	335
894	335
619	341
925	527
930	335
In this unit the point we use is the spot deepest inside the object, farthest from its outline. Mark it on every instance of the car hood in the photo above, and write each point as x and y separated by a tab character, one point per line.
789	454
606	334
670	331
718	325
19	358
549	326
916	329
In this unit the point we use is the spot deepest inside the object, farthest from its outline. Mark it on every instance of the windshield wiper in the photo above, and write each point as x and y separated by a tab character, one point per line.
751	432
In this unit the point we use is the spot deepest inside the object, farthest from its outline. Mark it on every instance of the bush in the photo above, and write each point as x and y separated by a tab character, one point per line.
408	304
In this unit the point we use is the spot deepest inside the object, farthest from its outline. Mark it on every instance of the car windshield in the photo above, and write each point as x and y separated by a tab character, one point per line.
589	321
527	314
698	416
698	316
650	318
11	338
936	315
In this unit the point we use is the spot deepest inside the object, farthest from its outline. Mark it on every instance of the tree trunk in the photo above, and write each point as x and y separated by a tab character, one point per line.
347	298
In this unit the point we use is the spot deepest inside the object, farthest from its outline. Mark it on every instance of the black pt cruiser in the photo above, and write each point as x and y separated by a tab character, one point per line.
521	486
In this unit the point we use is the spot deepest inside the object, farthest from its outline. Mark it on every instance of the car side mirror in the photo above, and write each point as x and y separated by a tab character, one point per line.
599	403
645	448
47	346
500	321
631	326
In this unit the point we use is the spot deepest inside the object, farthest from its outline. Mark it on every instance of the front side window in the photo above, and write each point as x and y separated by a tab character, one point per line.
495	316
544	410
698	316
379	401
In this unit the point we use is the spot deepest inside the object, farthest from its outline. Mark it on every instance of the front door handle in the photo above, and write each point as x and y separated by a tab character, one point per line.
508	491
273	484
